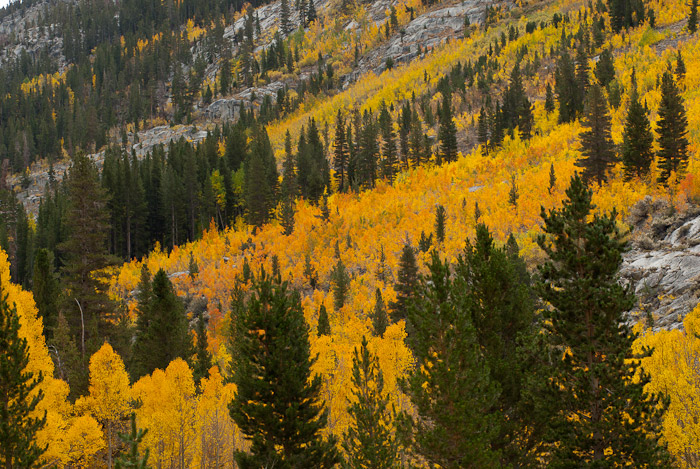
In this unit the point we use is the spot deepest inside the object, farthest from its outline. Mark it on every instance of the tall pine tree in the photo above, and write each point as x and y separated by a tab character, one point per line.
672	128
637	139
596	140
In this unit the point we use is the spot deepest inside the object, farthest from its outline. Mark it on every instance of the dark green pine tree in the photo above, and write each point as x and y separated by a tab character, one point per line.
549	100
483	130
552	178
202	356
406	284
596	141
225	76
693	17
324	325
285	23
440	220
369	441
132	459
583	79
46	290
496	282
341	285
605	68
600	414
380	321
340	153
637	139
260	178
193	267
567	88
277	404
449	387
513	194
672	128
18	394
390	163
447	132
288	190
162	333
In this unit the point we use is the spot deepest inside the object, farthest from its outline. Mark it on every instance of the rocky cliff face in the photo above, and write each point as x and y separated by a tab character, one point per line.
663	263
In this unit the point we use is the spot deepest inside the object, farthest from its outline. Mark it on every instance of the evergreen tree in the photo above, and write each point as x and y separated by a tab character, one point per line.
605	68
549	100
341	285
440	218
225	76
672	128
193	268
567	88
693	17
380	321
680	67
324	324
289	187
133	459
596	141
202	356
583	79
277	404
311	12
285	23
390	165
406	284
260	178
483	130
340	153
637	139
513	194
447	133
600	414
369	440
450	387
552	178
18	394
46	290
162	333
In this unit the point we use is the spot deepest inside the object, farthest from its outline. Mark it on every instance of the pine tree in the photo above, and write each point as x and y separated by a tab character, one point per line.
597	375
225	76
447	133
18	394
552	178
406	284
340	153
46	290
390	164
549	100
133	459
693	17
496	282
680	67
193	267
202	356
483	130
637	139
440	218
277	404
324	324
672	128
285	23
449	387
260	178
369	440
341	285
380	321
162	333
596	141
605	68
567	88
513	194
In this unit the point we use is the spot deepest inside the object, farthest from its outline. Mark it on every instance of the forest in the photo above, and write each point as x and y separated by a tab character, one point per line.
418	268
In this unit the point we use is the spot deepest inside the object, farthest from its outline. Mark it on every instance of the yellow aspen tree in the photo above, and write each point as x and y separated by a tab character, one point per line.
109	396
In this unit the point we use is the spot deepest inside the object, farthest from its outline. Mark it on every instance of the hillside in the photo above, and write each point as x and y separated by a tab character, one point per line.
318	141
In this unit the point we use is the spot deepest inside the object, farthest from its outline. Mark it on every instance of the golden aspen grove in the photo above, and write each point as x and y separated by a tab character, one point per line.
349	234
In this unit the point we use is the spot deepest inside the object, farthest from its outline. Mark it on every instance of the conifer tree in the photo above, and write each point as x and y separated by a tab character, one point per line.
549	99
447	133
406	284
552	178
260	178
450	387
672	128
693	17
600	415
390	163
18	394
277	404
483	130
369	440
202	356
637	139
324	324
193	268
380	321
340	153
513	194
567	88
440	218
161	329
46	290
132	459
285	23
596	141
341	285
605	68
